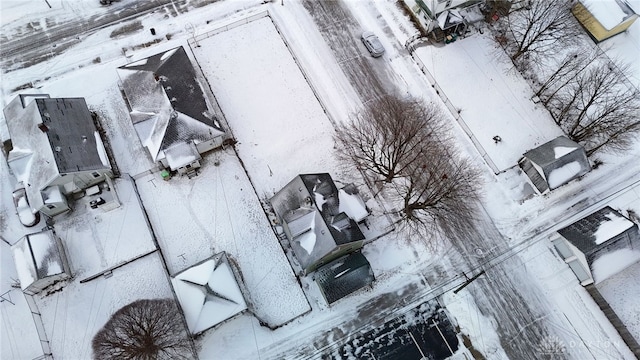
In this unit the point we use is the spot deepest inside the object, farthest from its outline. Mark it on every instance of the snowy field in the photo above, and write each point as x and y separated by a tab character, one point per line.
492	97
281	128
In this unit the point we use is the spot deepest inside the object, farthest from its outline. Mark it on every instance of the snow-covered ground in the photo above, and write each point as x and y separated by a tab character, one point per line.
282	131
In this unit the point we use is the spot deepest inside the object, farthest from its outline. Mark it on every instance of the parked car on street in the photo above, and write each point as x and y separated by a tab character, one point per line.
26	215
372	43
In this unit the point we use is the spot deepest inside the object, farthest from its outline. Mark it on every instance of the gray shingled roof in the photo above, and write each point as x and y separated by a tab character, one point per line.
168	104
344	276
328	227
582	233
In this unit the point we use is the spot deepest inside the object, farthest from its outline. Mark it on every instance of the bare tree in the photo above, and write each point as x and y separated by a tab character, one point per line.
566	71
537	27
440	193
389	135
599	108
404	146
144	330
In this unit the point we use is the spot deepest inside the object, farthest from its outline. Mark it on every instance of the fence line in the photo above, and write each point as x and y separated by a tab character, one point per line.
194	41
454	111
37	320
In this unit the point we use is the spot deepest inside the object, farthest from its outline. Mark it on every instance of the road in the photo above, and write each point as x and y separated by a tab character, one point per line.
39	42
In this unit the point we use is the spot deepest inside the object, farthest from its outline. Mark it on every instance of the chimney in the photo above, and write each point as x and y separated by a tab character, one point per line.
43	127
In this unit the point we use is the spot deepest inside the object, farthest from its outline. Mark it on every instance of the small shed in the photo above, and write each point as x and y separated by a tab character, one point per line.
344	276
208	293
555	163
40	261
599	245
603	19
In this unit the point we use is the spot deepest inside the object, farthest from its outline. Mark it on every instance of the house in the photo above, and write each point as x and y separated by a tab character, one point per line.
555	163
320	221
343	276
40	261
172	116
603	19
54	149
208	293
444	14
599	245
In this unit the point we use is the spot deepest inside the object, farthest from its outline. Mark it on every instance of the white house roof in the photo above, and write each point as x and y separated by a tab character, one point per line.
36	257
208	293
609	13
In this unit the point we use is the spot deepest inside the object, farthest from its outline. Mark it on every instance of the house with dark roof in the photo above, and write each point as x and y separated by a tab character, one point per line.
40	261
599	245
555	163
54	149
343	276
171	114
320	220
603	19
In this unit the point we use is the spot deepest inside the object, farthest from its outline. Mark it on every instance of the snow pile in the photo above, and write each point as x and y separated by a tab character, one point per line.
208	293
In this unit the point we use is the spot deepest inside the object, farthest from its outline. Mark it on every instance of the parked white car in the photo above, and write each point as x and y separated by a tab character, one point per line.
372	43
26	215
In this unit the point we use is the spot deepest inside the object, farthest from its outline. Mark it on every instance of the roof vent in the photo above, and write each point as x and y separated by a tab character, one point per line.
43	127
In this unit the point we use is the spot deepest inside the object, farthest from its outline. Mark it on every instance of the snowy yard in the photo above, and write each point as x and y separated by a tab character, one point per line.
219	211
281	128
492	97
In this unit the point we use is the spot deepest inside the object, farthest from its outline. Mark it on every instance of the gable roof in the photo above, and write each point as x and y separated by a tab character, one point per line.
559	161
344	276
51	137
594	231
37	256
168	105
318	216
208	293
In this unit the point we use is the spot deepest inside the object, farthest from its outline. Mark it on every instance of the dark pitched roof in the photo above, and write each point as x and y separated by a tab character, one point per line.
175	73
168	104
71	133
324	195
545	154
344	276
583	233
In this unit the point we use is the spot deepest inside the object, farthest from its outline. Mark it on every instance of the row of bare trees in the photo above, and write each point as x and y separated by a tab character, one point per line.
404	148
588	95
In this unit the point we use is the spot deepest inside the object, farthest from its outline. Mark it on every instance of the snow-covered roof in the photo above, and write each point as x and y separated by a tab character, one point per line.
37	256
208	293
168	105
50	137
559	161
316	233
449	18
613	262
344	276
609	13
181	154
595	231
